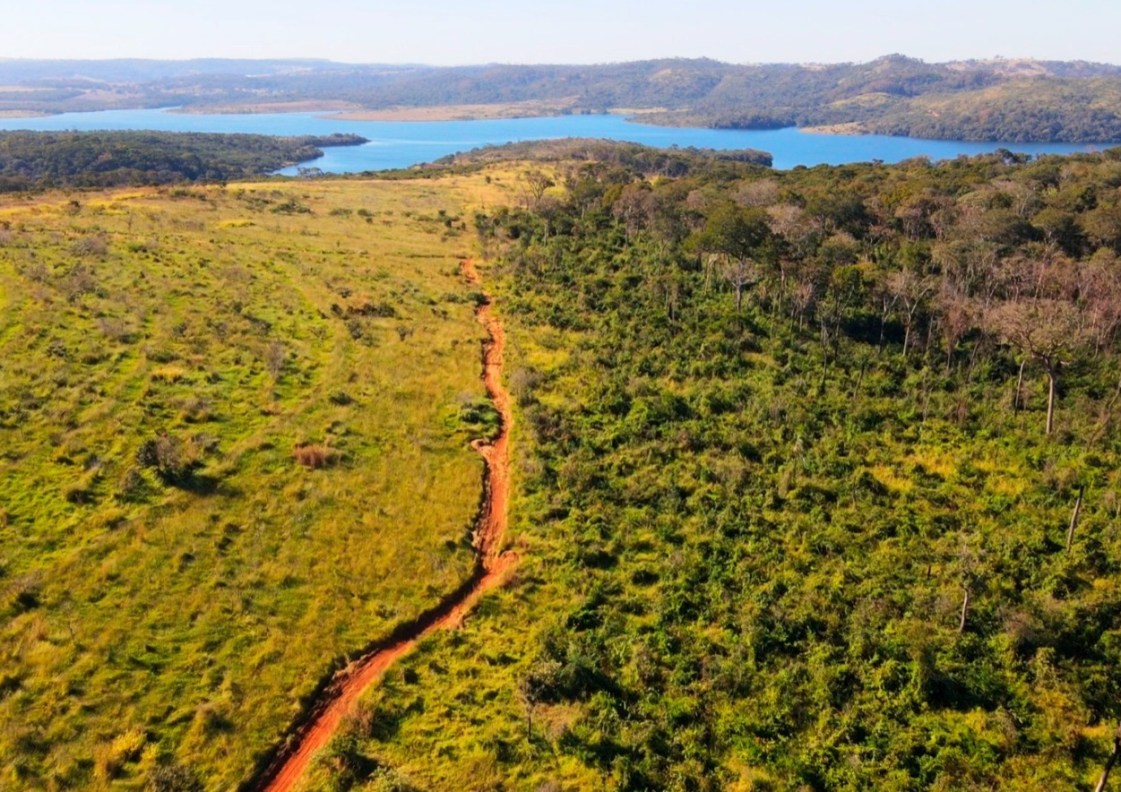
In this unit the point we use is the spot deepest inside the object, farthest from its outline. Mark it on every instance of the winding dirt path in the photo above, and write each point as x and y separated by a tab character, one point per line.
491	569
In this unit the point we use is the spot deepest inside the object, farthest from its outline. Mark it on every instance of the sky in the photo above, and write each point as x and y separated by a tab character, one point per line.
449	32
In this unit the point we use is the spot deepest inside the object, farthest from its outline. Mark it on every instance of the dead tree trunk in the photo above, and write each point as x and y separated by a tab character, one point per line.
1050	399
1017	397
1107	414
1109	764
964	611
1074	518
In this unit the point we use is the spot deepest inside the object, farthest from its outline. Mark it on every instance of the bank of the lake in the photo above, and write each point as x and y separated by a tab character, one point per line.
399	144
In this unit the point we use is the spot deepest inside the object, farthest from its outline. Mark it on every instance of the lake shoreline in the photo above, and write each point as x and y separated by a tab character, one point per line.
396	143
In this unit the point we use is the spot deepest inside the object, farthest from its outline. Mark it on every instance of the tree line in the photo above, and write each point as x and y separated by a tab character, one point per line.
972	100
821	472
36	160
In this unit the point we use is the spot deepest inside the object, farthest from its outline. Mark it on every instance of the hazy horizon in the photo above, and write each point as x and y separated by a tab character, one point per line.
444	33
422	64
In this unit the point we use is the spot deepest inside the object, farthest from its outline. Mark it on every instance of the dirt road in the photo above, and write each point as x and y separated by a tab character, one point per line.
491	568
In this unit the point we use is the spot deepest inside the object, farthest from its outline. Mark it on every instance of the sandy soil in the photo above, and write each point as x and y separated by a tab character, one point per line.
304	106
849	128
461	112
492	569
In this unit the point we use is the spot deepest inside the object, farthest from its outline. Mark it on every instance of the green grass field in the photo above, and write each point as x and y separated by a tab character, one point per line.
234	429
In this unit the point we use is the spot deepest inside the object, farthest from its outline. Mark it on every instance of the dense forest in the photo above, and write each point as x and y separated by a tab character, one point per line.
673	161
37	160
1014	101
819	489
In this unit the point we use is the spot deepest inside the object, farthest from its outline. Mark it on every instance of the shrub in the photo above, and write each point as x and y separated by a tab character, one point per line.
169	374
173	778
79	280
81	492
275	357
23	594
314	456
125	748
291	206
173	460
90	246
196	410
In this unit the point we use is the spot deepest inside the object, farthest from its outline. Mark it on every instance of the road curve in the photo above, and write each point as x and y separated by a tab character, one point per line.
492	566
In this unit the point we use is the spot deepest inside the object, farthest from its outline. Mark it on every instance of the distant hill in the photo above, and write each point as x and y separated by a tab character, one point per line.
1013	100
143	70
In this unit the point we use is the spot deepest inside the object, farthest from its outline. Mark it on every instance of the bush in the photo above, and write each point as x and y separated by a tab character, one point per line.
90	246
109	759
173	460
314	456
132	488
173	778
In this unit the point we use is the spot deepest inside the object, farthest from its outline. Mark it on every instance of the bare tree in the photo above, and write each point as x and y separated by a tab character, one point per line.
275	355
912	291
635	207
957	315
1074	518
1049	331
537	182
970	568
1099	283
1110	762
740	273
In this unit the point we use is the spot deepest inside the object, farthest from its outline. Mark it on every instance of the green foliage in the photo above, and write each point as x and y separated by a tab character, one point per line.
34	160
478	418
748	534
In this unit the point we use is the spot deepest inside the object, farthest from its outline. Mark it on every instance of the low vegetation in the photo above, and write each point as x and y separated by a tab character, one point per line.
225	461
817	489
815	475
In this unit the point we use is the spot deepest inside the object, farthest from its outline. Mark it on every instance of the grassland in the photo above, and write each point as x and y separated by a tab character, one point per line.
234	429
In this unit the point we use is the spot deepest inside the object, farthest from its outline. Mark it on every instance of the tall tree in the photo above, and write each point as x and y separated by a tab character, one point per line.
1050	331
737	237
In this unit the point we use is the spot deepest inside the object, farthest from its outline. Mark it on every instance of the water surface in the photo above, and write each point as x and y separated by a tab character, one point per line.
399	144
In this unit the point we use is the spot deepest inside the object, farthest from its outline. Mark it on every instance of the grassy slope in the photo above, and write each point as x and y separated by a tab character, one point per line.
143	620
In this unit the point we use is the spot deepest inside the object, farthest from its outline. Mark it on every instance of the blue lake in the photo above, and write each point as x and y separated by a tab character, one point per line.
398	144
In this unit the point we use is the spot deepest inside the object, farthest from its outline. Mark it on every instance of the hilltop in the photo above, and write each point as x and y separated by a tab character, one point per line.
1016	101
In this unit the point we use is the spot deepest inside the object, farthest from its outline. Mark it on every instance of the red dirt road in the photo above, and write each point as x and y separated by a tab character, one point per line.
492	567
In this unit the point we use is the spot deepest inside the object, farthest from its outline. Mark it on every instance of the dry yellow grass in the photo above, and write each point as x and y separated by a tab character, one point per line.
194	599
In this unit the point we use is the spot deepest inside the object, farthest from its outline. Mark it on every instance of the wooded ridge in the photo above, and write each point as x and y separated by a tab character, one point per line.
1015	101
34	160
